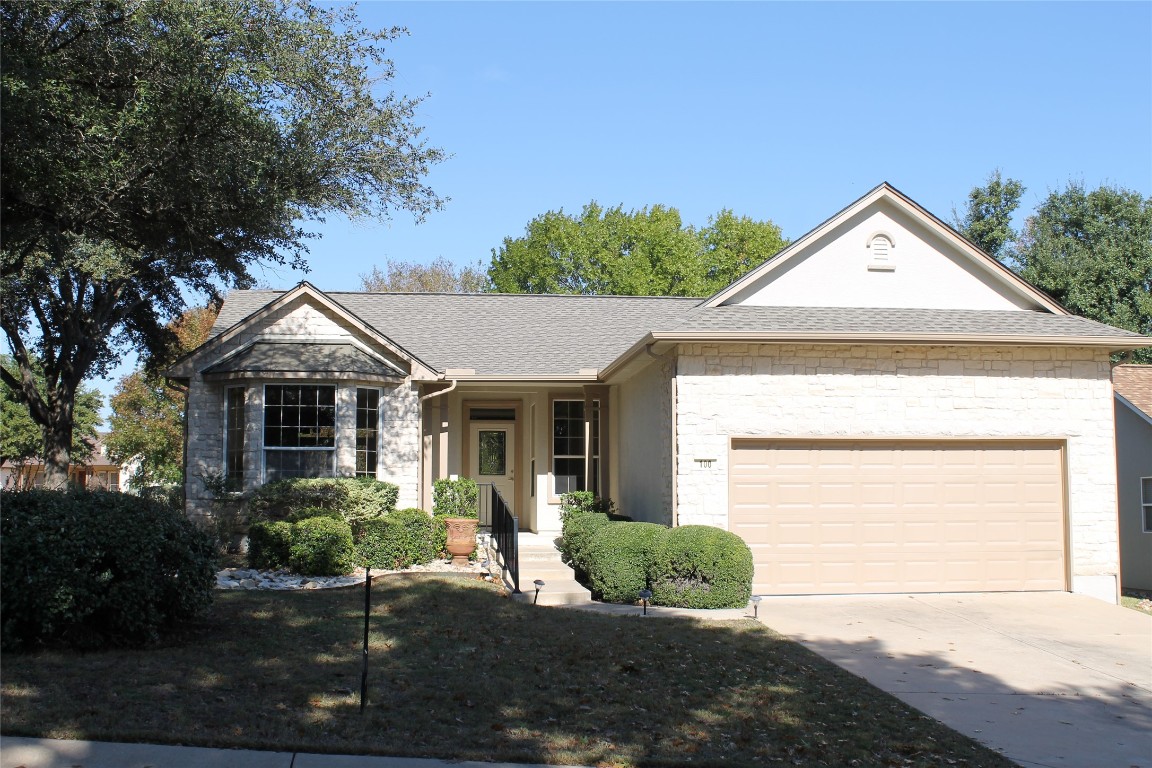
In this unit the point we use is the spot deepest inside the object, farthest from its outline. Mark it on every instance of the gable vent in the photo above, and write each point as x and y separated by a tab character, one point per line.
881	247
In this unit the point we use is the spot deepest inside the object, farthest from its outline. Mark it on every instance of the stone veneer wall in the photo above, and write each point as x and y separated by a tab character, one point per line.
736	390
399	458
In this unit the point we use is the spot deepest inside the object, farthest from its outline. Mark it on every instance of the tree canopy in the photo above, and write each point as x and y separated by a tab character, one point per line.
1090	250
439	276
987	219
153	150
147	421
649	252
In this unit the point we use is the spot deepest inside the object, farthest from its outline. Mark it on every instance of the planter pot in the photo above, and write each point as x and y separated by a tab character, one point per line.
461	538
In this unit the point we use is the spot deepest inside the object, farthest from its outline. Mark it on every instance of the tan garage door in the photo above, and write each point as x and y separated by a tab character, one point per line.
833	517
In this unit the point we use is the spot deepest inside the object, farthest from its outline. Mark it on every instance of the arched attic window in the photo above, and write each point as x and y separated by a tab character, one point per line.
880	247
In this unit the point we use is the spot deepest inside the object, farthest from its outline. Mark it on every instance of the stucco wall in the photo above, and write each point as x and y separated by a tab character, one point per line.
839	270
846	391
644	454
1134	461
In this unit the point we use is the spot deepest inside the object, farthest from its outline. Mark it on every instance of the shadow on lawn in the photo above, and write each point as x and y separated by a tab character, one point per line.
459	671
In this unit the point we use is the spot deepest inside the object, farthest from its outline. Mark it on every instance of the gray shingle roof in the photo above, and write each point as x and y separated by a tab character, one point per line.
535	335
330	358
497	334
926	322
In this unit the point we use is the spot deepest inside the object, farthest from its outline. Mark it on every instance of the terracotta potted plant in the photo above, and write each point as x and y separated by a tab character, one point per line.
455	500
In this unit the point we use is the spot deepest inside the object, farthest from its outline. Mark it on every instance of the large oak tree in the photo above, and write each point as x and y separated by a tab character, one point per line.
156	150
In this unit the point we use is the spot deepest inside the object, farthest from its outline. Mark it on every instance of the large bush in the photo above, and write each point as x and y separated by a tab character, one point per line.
269	544
619	557
356	499
399	540
698	566
94	569
456	498
322	546
577	535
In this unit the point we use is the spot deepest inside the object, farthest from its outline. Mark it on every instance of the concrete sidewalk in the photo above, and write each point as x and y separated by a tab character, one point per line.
1047	679
52	753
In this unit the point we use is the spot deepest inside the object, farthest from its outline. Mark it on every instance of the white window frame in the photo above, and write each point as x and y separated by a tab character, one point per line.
554	493
331	450
243	429
1146	503
379	432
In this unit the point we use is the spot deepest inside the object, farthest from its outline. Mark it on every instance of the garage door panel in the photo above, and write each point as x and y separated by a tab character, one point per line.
884	516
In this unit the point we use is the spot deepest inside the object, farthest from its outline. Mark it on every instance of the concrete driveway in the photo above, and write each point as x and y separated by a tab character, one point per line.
1046	678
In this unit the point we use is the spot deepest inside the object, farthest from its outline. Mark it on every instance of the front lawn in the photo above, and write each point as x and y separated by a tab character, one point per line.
459	671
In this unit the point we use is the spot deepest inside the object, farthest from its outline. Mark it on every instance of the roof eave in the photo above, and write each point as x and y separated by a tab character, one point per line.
1113	343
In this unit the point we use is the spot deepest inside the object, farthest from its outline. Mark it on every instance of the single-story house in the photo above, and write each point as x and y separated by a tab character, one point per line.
98	471
1133	388
879	407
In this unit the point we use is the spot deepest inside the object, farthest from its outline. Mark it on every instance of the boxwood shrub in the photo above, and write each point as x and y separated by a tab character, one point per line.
356	499
322	546
269	544
93	569
619	557
398	540
577	535
698	566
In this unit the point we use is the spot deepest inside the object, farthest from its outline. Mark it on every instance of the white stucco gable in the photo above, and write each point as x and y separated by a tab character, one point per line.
884	251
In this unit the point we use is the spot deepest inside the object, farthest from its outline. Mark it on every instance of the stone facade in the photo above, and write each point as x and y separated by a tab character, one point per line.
749	390
399	454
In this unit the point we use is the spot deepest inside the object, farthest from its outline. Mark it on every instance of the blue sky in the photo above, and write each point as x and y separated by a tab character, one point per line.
781	111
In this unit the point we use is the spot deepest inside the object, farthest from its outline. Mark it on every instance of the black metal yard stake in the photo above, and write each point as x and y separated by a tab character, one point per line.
367	612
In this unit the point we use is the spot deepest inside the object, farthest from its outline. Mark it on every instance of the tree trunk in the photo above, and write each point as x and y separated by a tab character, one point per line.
58	446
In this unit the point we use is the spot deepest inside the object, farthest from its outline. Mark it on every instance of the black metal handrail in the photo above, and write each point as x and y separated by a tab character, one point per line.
505	534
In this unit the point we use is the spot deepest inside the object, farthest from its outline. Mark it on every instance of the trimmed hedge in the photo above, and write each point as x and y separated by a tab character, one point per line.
322	546
269	544
456	498
584	503
578	532
356	499
94	569
619	556
398	540
698	566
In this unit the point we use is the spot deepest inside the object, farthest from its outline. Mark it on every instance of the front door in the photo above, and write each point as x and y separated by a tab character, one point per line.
491	456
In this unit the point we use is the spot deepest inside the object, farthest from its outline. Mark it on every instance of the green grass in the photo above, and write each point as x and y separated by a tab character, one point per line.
459	671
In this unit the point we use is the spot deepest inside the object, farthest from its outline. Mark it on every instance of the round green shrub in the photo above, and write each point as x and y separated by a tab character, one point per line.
698	566
356	499
322	546
619	557
94	569
399	540
269	544
578	532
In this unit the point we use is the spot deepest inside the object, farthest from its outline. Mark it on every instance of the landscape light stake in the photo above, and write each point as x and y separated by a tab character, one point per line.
755	606
645	596
539	583
364	662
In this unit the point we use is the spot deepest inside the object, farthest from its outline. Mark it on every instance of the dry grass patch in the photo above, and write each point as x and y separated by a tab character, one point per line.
459	671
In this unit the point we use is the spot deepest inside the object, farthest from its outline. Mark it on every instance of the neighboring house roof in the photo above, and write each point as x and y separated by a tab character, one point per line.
1133	383
98	458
